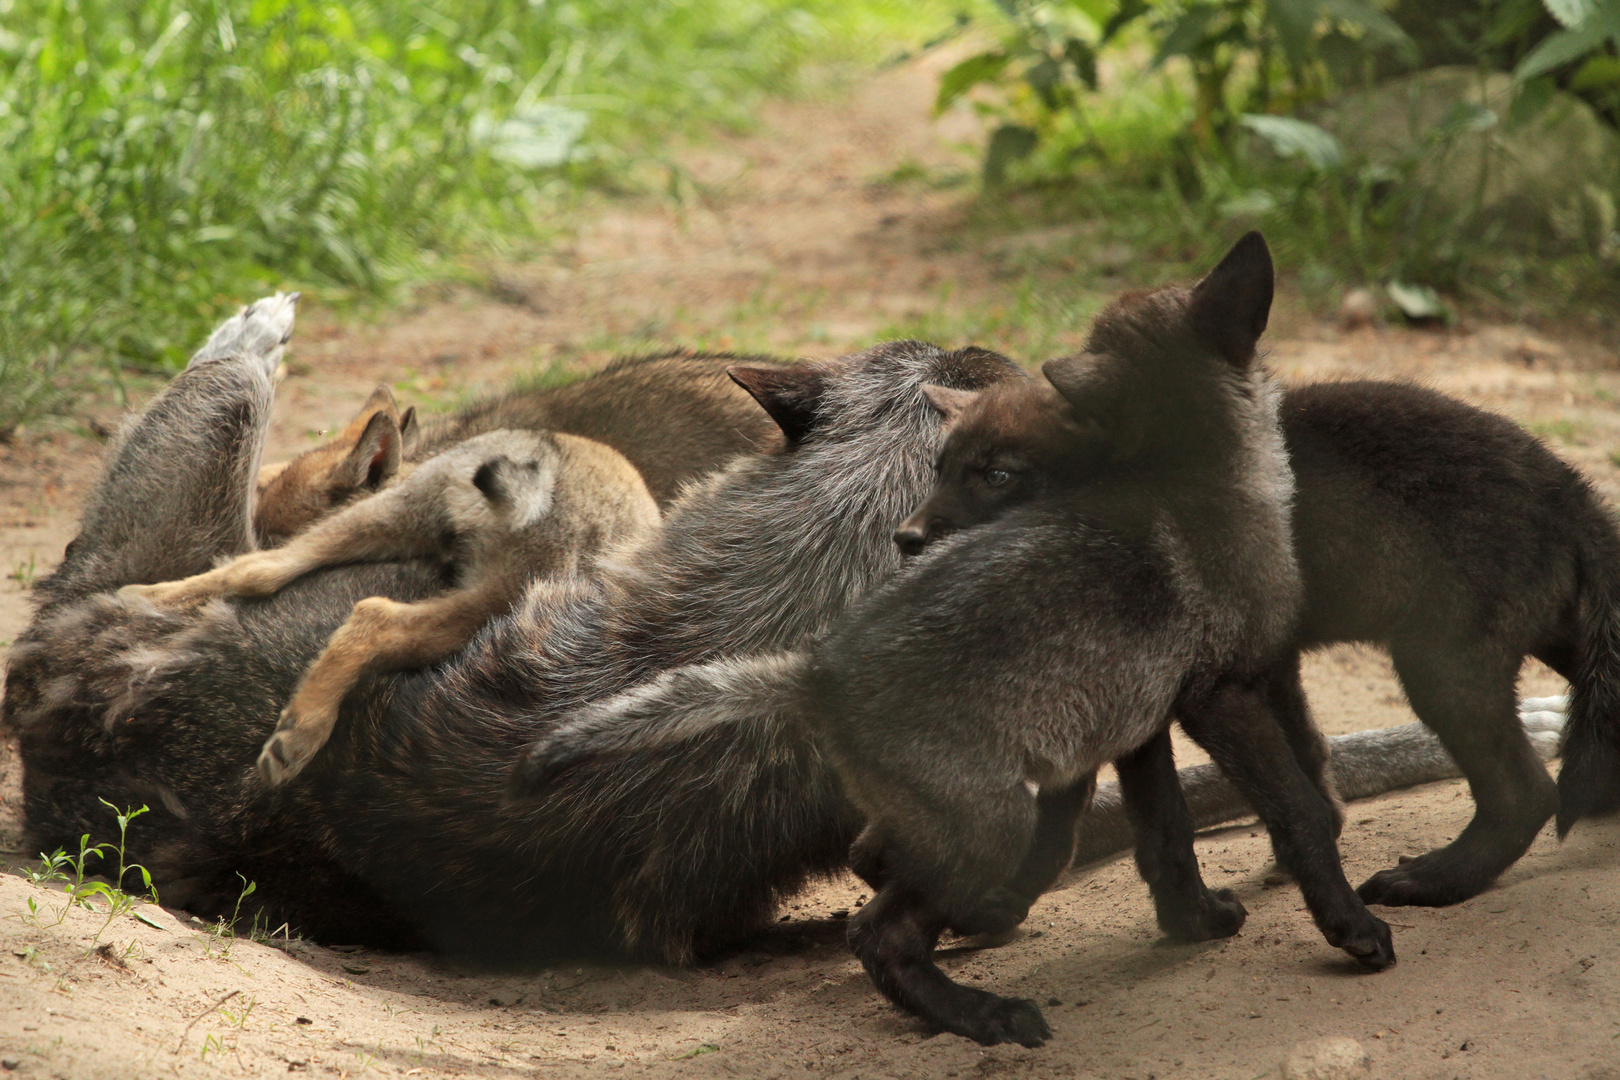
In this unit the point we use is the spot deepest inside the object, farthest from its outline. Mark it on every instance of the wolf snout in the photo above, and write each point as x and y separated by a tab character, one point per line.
916	533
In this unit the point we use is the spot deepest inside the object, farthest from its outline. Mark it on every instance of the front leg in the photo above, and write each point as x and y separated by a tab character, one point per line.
1188	910
1235	725
1058	810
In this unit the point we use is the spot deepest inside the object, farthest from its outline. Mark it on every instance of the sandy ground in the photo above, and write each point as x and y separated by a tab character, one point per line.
792	235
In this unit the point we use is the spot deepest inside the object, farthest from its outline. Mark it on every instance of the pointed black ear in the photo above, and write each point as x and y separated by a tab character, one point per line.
1231	305
791	394
1077	378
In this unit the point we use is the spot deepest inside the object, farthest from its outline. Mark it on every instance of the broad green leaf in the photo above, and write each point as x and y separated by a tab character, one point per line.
1369	18
1129	11
148	920
1185	36
1559	49
1083	58
1598	71
983	68
1296	138
1569	13
1295	20
1008	143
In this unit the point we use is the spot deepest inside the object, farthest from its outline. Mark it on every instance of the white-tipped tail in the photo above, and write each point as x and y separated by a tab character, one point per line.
262	330
676	706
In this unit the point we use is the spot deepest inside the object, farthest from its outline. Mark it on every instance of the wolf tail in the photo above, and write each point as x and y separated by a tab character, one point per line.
1589	783
177	489
678	705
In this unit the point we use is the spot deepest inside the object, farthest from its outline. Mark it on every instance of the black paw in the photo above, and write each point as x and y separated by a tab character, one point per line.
1014	1020
1421	882
1218	913
1370	944
998	911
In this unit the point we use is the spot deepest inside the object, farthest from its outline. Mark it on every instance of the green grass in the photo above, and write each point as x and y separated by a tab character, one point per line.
164	160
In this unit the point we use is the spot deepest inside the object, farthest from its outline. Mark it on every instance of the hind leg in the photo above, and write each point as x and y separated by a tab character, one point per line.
894	937
1236	726
1187	909
942	843
1058	813
1468	698
381	635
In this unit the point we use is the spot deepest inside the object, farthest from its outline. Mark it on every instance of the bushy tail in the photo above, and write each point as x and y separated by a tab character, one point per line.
678	705
176	493
1589	783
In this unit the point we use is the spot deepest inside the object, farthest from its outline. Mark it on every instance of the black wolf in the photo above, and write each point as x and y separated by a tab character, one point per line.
1449	536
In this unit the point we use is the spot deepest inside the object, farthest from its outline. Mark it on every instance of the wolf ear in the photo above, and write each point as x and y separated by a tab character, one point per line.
410	432
791	394
375	457
1231	305
1077	378
947	402
381	400
1086	382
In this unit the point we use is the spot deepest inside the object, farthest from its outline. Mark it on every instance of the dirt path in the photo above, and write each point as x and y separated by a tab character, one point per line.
806	237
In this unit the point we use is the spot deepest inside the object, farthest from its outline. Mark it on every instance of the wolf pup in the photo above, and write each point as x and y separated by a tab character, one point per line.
1445	534
674	415
1156	578
497	510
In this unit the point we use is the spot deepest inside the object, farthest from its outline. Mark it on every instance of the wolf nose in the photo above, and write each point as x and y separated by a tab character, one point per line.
911	539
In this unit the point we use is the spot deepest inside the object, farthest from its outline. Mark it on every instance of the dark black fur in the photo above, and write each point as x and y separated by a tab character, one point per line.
1155	577
1454	539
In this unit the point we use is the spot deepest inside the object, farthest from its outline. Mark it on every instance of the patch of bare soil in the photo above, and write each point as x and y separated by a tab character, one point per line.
790	231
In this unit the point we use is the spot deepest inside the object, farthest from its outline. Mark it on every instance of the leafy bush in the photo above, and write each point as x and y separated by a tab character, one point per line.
161	160
1212	115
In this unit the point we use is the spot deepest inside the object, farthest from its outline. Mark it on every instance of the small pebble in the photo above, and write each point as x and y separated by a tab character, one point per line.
9	1064
1335	1058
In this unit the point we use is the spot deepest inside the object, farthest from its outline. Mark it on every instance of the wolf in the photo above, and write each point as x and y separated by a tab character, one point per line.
400	831
497	510
1445	534
675	415
967	705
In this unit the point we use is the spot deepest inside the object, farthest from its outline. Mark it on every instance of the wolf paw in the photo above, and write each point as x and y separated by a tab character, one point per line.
1420	882
1014	1020
295	743
1218	913
1370	944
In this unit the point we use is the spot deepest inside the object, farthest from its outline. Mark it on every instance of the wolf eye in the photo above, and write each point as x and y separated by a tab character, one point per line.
996	477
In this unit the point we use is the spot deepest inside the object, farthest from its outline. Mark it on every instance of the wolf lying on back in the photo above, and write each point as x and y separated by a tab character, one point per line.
405	809
499	509
1440	531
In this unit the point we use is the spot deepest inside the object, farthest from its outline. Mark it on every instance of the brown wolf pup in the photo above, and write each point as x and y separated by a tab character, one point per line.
497	509
703	417
1447	535
361	459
